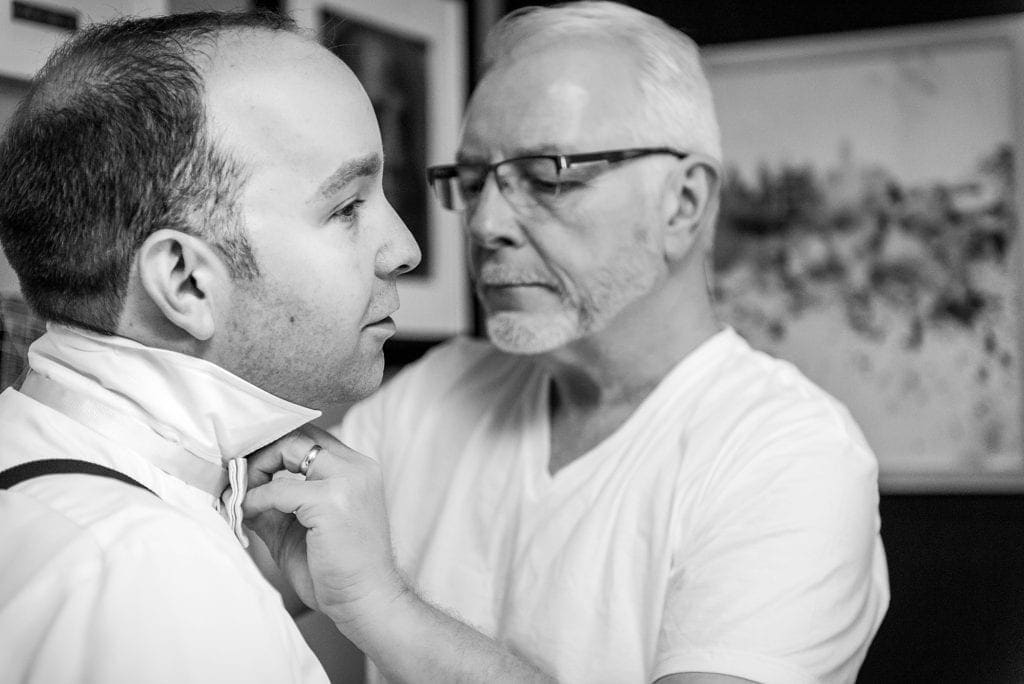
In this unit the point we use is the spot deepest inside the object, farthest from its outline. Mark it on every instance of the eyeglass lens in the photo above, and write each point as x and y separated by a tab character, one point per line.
525	183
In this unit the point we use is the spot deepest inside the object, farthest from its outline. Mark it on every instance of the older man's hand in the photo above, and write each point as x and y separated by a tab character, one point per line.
327	532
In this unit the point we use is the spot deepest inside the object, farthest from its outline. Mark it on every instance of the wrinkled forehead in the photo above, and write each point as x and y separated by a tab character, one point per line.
579	95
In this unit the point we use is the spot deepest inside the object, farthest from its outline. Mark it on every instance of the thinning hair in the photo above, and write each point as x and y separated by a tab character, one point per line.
678	110
109	146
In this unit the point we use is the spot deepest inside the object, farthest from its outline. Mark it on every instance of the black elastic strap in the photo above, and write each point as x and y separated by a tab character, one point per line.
62	466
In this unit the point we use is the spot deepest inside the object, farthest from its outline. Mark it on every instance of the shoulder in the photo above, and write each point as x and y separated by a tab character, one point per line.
97	522
459	357
460	367
761	425
451	388
756	394
146	573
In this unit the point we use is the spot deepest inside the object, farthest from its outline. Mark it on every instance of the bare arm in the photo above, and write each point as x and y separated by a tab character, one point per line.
329	535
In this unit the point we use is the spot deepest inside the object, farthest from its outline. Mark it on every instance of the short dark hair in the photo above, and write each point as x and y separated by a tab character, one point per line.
110	145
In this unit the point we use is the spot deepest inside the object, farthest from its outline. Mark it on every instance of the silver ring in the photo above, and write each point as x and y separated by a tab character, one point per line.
310	457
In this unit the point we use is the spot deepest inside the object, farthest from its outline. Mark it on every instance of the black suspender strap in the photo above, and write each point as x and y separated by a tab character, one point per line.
62	466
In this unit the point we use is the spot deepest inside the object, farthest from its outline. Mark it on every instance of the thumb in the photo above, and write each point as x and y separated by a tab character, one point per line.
272	527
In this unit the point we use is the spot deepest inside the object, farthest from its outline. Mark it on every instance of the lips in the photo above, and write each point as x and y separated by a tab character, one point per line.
382	319
385	304
510	285
495	276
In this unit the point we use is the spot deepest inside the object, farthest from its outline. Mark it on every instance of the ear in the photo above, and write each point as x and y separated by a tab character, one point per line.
691	205
182	275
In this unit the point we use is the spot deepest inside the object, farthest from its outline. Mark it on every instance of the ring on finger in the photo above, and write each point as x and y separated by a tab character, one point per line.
307	462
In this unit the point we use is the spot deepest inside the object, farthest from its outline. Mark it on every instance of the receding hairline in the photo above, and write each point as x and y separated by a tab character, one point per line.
243	43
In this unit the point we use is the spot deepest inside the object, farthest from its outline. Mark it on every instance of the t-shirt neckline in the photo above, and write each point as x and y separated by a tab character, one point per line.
700	359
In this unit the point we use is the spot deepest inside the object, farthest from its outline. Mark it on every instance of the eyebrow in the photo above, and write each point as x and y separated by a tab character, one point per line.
360	167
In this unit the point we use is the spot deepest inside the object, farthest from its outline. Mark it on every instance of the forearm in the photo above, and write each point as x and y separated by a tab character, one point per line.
411	641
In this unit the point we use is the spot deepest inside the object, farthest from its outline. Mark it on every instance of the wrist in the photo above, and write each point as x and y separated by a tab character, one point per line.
371	603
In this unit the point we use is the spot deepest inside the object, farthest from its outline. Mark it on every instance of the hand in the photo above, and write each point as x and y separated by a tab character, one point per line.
328	532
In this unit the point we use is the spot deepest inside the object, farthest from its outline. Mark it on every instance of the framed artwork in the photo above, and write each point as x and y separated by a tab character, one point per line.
410	57
31	29
869	234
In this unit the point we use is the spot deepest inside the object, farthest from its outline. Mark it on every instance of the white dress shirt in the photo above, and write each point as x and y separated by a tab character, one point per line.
105	582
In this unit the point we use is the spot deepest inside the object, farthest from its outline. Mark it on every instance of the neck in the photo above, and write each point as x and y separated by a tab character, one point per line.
621	364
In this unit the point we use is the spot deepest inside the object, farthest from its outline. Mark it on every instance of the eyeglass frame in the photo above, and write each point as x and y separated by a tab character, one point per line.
562	162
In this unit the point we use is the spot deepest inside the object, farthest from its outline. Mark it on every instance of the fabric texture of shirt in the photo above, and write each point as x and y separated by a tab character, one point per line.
19	328
105	582
730	525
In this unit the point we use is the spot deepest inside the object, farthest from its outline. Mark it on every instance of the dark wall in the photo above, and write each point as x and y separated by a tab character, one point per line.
726	21
956	571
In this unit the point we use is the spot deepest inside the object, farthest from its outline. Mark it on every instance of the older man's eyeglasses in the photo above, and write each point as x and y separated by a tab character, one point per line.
528	183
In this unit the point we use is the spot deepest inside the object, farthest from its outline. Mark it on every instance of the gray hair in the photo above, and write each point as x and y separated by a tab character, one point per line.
678	98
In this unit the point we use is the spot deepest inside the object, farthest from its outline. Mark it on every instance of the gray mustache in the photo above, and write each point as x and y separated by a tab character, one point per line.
497	274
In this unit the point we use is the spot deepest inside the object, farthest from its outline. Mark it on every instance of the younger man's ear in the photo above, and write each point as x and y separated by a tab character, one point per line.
181	275
691	204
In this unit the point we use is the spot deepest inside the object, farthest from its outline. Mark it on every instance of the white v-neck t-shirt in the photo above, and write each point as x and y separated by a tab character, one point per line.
730	525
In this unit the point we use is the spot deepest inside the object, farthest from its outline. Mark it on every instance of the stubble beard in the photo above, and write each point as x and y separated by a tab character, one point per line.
518	332
610	290
601	295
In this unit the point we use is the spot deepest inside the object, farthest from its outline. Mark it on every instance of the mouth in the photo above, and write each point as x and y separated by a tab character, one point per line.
515	296
514	285
385	325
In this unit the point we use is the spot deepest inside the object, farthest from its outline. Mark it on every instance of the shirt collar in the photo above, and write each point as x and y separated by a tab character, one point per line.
212	413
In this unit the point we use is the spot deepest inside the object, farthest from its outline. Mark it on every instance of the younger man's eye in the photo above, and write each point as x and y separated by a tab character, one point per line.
348	212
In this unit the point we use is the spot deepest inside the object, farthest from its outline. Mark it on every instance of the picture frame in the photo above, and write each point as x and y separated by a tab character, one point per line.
868	234
411	58
31	29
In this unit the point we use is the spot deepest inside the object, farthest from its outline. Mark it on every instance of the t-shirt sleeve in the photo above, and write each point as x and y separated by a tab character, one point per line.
178	615
780	574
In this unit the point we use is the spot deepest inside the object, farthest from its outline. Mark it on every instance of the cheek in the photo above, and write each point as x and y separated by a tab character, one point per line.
332	284
323	266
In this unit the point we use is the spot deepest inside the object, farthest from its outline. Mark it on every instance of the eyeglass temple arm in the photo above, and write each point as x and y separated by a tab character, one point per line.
564	161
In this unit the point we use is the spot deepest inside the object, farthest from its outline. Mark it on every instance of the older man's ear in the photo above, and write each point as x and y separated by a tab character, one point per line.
691	205
177	284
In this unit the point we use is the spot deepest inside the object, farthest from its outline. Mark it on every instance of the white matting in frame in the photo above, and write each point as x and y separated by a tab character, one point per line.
869	235
399	39
25	45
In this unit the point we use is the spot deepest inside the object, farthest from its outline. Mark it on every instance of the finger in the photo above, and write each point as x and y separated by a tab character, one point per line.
285	495
270	526
285	453
328	441
333	459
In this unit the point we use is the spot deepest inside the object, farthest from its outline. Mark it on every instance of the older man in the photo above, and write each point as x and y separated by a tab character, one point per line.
195	205
617	485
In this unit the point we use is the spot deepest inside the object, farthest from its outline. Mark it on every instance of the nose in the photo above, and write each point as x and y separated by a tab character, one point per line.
491	221
399	253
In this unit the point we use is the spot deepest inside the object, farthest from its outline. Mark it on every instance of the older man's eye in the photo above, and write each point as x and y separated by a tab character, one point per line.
543	186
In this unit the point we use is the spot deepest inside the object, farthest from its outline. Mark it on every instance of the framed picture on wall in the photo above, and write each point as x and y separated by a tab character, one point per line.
31	29
410	57
869	234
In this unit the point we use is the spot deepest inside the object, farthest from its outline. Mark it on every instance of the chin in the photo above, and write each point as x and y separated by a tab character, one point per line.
529	333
